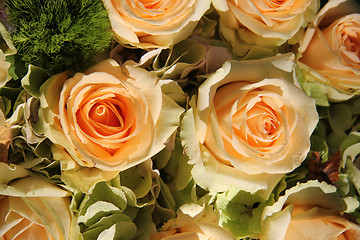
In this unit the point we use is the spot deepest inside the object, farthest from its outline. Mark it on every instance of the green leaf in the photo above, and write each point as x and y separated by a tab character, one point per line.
139	182
33	80
355	105
11	172
353	174
122	230
312	88
165	204
335	138
96	211
241	211
318	144
10	94
343	185
103	192
351	139
6	45
320	130
172	63
5	105
17	68
110	220
340	117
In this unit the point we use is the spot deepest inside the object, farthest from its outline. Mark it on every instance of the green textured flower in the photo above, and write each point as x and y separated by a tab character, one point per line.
118	209
349	178
191	57
177	185
59	35
241	212
29	148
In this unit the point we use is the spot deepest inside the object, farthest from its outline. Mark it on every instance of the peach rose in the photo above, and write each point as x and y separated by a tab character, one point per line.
253	24
151	24
32	208
248	126
110	117
193	222
308	211
330	50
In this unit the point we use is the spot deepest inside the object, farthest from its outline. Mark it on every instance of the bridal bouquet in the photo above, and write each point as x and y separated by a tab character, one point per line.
193	119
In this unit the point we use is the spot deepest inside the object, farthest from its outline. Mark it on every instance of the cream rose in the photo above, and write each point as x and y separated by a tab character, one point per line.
308	211
330	50
193	222
248	125
110	117
32	208
154	23
253	24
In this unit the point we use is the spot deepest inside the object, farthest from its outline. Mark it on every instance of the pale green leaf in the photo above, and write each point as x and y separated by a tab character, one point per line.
122	230
10	172
96	211
33	80
312	88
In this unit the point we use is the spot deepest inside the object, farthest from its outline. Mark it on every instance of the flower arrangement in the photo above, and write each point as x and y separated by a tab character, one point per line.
164	119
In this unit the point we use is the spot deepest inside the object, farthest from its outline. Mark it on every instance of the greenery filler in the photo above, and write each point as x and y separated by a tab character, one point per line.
59	35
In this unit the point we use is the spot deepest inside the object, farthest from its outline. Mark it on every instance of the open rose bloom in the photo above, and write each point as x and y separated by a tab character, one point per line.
330	50
248	125
309	211
252	26
110	117
31	208
150	24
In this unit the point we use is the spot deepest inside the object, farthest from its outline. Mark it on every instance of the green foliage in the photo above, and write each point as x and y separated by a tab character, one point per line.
311	87
241	212
59	35
111	211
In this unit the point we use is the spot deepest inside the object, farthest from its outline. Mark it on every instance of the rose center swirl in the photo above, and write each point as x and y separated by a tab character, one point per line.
106	113
148	9
151	4
105	117
275	3
351	41
260	127
348	39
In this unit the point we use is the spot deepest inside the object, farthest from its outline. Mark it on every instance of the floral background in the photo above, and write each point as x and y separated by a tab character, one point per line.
164	119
